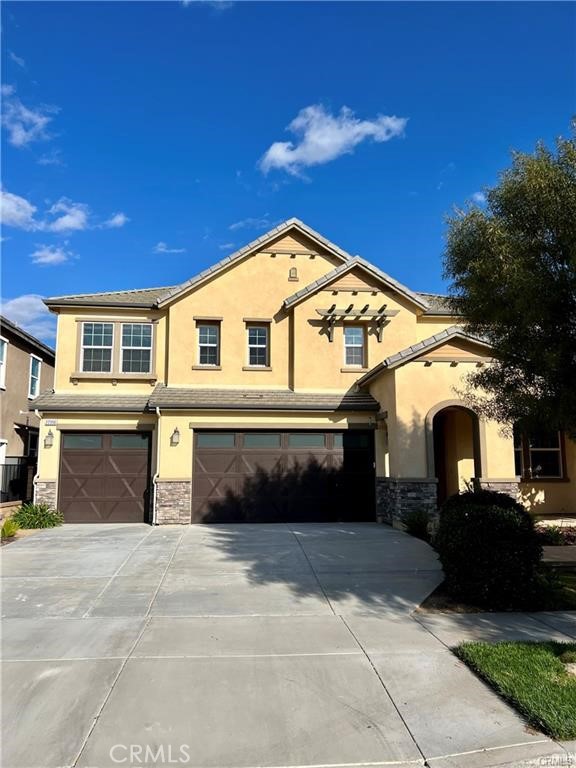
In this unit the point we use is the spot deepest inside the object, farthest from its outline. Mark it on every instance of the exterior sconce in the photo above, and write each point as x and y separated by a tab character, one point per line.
49	439
175	437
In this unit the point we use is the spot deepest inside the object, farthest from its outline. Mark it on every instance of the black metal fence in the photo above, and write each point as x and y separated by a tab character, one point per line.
16	479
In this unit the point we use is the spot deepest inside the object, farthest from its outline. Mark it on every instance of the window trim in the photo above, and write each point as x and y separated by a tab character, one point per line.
83	347
363	347
3	363
525	461
250	324
32	395
123	348
208	324
115	371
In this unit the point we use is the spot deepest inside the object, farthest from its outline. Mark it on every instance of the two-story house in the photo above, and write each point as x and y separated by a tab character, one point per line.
26	369
289	381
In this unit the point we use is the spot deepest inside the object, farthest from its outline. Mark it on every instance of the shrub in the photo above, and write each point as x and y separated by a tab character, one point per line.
417	523
490	550
9	528
37	516
555	536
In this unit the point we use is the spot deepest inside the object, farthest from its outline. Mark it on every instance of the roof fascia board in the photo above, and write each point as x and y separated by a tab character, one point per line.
256	245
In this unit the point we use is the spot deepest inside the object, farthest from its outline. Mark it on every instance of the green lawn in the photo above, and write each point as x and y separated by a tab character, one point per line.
531	677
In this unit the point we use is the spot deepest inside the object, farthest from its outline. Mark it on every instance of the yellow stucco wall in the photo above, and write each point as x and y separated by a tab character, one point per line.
417	390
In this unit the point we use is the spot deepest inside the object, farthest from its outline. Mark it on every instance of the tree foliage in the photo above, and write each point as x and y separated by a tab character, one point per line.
512	266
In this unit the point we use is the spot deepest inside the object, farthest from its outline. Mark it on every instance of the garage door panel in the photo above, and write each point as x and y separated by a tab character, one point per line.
105	484
275	477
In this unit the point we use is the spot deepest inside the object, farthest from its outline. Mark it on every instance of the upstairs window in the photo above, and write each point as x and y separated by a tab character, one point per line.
34	380
258	345
3	355
209	344
354	353
97	342
136	347
538	454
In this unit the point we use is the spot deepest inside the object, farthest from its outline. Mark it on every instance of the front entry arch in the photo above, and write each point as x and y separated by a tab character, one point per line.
454	447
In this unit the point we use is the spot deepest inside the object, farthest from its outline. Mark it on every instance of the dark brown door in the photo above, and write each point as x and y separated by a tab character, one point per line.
283	476
104	477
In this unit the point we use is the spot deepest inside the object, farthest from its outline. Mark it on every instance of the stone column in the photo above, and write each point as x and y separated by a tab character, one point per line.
396	496
173	502
45	493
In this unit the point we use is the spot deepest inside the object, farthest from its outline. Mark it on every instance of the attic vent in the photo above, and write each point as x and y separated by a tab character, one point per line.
293	273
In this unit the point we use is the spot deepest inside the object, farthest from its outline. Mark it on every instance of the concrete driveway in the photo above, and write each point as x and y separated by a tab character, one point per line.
242	647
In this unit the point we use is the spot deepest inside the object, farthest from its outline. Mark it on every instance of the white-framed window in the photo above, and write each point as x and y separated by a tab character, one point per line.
97	343
208	344
136	347
34	380
539	454
3	356
258	345
354	353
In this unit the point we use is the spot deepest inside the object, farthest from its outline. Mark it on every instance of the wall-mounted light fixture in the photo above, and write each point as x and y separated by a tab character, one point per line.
175	437
49	439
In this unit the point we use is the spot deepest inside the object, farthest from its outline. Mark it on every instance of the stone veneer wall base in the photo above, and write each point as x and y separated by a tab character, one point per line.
508	486
173	502
45	493
397	496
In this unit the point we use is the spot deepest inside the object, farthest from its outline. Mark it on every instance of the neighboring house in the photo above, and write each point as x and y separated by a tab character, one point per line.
26	369
290	380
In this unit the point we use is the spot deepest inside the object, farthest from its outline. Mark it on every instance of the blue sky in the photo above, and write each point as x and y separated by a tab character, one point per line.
143	141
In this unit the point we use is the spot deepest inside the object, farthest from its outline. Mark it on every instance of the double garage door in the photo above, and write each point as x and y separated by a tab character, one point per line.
248	476
283	476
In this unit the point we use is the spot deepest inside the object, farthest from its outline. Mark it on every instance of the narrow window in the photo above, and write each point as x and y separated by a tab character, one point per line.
3	354
136	347
538	454
258	345
354	346
209	344
34	381
293	273
97	341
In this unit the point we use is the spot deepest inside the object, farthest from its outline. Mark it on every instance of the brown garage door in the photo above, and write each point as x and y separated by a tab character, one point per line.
104	477
283	476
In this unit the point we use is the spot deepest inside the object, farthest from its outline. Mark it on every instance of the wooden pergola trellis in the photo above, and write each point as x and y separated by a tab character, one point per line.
377	316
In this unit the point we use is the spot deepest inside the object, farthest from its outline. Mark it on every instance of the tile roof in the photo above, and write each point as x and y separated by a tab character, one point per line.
405	355
438	304
356	261
48	401
250	399
153	297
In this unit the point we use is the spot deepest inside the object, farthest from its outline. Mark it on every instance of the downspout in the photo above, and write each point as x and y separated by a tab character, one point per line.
37	474
156	474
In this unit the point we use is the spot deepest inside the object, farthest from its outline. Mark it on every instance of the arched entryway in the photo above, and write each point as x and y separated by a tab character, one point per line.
455	450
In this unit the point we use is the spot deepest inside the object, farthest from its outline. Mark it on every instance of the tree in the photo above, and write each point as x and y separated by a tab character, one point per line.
512	266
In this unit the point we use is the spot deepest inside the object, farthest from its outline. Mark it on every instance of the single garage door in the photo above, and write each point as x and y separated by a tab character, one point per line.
283	476
104	477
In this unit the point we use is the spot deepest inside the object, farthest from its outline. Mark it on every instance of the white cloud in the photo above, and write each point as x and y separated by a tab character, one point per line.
163	248
51	255
17	60
24	125
16	211
226	246
54	157
217	5
323	137
30	312
251	223
74	216
479	198
115	221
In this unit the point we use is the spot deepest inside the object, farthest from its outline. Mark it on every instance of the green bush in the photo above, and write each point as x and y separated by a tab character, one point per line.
550	535
417	523
490	550
9	528
37	516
